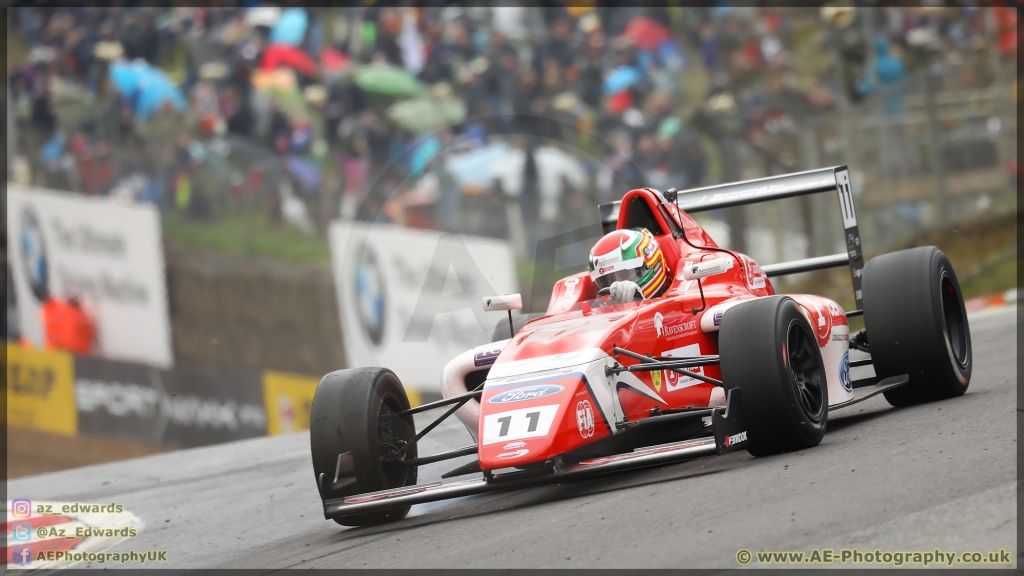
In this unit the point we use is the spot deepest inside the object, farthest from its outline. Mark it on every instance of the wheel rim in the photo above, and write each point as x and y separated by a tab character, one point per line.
803	360
953	314
393	440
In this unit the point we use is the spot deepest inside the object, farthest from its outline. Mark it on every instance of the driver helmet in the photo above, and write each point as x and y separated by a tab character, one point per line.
632	255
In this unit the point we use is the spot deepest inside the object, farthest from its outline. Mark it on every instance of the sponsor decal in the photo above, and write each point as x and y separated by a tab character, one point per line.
371	297
504	427
288	399
570	287
513	445
740	437
33	255
675	380
606	269
656	380
673	331
513	454
755	277
486	356
612	259
525	394
718	317
844	372
585	418
41	390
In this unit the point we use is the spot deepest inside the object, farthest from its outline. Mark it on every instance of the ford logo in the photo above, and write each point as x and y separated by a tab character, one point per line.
524	394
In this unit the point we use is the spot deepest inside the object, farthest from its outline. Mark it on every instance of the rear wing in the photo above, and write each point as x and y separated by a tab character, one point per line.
787	186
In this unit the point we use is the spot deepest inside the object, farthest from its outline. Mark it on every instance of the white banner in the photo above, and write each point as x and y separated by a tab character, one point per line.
106	254
410	300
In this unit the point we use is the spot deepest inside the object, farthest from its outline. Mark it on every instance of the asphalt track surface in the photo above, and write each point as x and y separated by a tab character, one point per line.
940	475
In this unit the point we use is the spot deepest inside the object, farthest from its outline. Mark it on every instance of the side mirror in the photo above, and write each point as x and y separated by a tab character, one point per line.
505	302
705	269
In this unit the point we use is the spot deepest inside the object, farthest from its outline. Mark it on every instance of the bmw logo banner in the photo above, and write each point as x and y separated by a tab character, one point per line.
107	255
410	299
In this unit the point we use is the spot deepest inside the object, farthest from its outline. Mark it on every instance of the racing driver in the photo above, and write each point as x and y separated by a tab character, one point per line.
629	263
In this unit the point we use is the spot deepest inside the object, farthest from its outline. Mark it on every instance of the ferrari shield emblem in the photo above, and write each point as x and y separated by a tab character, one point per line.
656	380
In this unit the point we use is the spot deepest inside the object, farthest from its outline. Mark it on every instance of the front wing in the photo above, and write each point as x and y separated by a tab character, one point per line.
730	433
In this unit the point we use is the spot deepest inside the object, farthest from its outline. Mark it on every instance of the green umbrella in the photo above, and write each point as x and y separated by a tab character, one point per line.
388	80
72	104
427	114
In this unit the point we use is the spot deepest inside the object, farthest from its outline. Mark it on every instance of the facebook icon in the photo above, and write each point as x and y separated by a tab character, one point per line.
21	554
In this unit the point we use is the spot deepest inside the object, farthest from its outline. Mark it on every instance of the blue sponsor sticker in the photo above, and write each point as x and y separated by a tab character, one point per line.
486	357
524	394
844	372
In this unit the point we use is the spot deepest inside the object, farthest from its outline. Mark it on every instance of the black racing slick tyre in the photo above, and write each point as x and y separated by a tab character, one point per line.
768	351
353	429
916	324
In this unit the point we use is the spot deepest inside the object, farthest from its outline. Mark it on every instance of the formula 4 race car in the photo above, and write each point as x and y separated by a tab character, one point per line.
719	363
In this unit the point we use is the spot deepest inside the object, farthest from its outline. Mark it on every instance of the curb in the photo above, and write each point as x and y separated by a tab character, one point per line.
991	301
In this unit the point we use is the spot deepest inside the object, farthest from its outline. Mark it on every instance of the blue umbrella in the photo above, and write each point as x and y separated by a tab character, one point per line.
306	172
425	150
620	79
146	87
291	27
474	168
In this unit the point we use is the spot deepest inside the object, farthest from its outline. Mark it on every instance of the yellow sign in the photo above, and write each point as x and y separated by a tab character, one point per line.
41	390
656	380
289	397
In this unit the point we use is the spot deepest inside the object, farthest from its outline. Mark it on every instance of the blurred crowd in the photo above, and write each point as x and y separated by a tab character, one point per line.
437	117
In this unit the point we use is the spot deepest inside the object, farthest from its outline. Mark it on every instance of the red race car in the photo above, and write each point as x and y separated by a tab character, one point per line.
717	362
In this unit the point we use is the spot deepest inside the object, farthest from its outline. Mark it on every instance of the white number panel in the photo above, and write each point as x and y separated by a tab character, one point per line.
518	424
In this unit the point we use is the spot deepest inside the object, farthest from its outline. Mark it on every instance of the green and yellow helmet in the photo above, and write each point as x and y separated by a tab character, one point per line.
629	255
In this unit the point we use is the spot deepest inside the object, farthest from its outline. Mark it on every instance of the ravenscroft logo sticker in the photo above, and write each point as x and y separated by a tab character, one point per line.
585	418
40	390
287	398
676	329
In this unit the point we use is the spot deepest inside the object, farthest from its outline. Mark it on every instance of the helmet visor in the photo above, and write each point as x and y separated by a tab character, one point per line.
631	274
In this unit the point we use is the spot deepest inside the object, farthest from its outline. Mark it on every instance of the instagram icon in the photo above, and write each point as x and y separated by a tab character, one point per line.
21	508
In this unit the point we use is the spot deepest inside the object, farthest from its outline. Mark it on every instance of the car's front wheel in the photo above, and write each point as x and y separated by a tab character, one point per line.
356	436
768	351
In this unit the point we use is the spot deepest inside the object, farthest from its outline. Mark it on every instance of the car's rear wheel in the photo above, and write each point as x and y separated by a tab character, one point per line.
768	350
355	431
916	324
